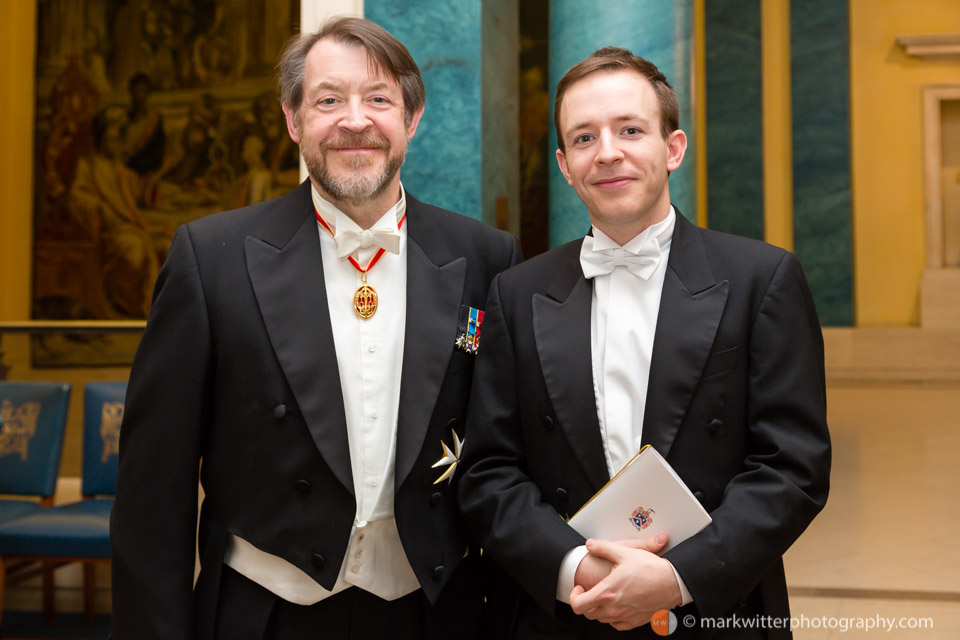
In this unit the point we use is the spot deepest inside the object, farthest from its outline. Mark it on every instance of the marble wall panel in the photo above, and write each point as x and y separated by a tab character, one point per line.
734	118
501	111
822	208
444	164
659	30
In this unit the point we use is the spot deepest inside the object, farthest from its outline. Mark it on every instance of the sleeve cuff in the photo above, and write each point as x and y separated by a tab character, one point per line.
684	592
568	572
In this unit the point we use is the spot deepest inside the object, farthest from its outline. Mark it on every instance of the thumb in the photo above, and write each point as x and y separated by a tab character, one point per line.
653	544
576	592
605	549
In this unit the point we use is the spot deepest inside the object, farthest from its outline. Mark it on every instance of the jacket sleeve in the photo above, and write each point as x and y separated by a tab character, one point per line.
784	478
154	519
516	253
501	504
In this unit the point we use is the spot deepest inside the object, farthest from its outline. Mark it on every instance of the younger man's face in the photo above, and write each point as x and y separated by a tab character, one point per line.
615	157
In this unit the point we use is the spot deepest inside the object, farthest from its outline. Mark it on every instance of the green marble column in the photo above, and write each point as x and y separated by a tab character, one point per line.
822	196
734	118
465	156
658	30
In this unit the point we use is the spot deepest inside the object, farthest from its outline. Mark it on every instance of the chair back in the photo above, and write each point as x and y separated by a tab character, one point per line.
33	417
102	415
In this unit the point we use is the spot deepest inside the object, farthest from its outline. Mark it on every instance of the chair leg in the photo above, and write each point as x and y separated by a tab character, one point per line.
3	580
48	568
89	591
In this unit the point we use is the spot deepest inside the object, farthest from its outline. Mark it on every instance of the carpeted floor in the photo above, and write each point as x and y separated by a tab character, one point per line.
18	625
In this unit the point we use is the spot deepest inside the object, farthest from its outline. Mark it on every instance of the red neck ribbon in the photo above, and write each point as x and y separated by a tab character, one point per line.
376	257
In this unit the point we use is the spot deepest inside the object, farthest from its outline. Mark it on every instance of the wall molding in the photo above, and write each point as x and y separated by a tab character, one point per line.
892	354
932	45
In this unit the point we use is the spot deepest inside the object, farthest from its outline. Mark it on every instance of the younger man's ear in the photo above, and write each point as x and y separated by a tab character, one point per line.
562	163
676	149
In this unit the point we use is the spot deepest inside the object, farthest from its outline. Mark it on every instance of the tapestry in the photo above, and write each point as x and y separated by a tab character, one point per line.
149	114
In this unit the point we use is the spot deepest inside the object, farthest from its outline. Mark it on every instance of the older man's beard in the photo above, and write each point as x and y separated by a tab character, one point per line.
356	186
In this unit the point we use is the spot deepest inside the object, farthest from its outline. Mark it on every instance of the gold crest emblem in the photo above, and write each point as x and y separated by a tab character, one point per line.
110	421
19	425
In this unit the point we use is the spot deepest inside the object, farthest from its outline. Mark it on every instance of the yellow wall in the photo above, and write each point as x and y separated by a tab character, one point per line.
18	50
698	99
887	156
777	136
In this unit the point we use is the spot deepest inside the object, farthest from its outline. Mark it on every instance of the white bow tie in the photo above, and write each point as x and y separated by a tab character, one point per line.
349	240
642	264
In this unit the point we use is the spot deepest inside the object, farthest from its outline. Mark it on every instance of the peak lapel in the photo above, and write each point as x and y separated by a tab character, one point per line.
435	279
561	325
287	277
691	306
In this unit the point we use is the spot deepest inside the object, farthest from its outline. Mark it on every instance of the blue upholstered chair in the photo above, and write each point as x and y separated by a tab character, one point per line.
33	417
79	531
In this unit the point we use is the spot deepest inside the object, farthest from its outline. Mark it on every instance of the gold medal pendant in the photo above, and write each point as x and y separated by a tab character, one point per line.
365	299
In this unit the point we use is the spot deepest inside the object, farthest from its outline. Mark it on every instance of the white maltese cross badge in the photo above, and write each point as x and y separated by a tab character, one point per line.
450	458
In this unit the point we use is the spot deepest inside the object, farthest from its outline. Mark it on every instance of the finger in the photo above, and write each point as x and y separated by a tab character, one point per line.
576	592
596	599
583	602
605	549
594	614
577	601
653	544
604	615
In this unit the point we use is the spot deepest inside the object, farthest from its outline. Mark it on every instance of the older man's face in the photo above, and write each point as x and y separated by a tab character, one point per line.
351	126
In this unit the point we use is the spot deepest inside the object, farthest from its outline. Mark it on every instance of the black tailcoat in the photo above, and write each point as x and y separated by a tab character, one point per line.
736	403
235	383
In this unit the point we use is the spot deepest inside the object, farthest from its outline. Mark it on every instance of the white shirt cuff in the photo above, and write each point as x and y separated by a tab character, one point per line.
684	592
568	572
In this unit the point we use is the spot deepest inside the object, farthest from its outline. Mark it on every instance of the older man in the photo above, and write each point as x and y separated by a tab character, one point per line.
308	359
648	331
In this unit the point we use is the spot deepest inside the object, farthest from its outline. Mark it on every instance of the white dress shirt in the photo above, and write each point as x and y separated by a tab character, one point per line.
369	359
623	321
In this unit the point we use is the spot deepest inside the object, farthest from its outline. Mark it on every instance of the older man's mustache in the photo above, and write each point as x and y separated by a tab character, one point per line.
352	141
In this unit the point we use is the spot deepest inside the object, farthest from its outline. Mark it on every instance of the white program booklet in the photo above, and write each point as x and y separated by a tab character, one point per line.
644	498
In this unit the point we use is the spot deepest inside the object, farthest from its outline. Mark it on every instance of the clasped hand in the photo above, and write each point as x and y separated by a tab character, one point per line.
624	583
